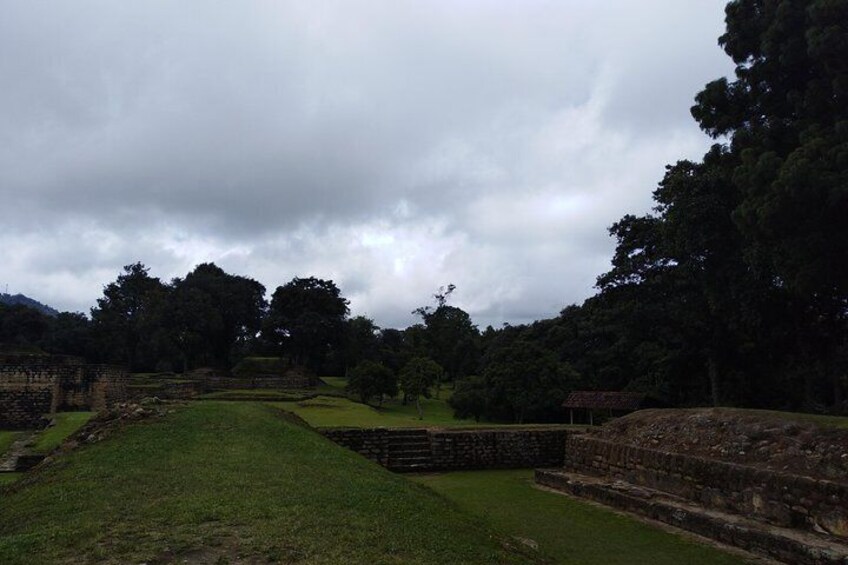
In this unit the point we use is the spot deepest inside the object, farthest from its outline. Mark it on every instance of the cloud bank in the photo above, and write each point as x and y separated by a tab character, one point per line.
392	146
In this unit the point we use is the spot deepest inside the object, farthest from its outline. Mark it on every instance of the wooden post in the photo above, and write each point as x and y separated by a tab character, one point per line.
591	417
571	415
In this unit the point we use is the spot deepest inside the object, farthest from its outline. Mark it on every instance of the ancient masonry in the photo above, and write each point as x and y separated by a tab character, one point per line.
33	386
421	449
791	518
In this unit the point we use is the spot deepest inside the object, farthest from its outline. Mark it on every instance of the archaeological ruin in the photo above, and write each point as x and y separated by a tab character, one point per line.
34	386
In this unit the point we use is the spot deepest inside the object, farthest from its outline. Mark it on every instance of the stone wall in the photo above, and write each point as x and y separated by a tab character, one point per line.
497	448
289	380
778	498
372	443
33	386
461	449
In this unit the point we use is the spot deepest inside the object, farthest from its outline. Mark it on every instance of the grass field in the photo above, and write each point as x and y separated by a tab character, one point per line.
6	440
222	481
66	424
327	411
568	531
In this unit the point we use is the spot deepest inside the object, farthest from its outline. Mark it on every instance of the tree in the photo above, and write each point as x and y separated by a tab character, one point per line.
215	314
369	379
416	378
527	382
306	319
450	338
118	320
786	115
361	341
470	398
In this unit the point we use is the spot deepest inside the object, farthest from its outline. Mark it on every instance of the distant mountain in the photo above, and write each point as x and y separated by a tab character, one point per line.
12	299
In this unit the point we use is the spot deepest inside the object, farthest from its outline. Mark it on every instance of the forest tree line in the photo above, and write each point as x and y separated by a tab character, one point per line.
732	291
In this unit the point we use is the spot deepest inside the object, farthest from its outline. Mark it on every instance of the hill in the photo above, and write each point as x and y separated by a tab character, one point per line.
221	482
20	299
804	444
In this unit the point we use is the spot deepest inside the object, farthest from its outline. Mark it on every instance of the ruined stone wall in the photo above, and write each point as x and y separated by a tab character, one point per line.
779	498
372	443
36	386
25	397
462	449
497	448
290	380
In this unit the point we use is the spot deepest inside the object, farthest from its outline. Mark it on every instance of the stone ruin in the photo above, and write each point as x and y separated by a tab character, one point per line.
34	386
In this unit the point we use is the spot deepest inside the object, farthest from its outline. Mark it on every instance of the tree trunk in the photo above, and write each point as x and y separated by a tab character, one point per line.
418	407
712	370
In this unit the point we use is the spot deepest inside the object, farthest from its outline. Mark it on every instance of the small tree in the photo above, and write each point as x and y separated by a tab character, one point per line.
417	377
469	398
369	379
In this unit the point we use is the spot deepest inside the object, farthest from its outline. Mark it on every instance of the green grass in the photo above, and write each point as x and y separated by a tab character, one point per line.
229	481
326	411
9	478
257	394
6	440
567	530
66	424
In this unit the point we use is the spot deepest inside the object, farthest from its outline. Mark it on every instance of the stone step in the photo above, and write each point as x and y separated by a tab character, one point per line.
409	444
409	467
414	432
783	544
405	452
409	458
15	458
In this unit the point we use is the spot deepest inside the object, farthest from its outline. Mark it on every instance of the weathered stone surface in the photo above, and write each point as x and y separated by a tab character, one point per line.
777	498
445	450
33	386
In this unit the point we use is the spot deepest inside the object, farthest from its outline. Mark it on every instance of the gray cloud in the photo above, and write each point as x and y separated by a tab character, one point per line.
392	146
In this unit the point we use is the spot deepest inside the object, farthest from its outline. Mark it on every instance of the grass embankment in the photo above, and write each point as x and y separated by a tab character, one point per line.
228	480
66	423
6	440
569	531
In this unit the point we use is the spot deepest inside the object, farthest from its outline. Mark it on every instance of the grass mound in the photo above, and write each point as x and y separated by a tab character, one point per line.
258	366
66	423
805	444
226	481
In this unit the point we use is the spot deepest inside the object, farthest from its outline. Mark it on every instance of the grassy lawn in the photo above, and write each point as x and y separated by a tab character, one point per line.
327	411
569	531
256	394
227	481
9	478
6	440
66	424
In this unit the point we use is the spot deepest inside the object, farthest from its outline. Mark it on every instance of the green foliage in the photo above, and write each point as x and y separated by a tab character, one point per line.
306	320
448	336
469	400
370	379
416	378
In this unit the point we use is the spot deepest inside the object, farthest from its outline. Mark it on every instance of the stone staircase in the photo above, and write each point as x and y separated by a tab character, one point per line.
16	458
409	450
783	517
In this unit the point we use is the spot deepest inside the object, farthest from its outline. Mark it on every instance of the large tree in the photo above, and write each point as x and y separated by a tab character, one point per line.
215	315
306	319
786	115
121	315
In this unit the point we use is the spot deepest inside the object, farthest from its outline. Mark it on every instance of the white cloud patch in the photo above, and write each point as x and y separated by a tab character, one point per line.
393	146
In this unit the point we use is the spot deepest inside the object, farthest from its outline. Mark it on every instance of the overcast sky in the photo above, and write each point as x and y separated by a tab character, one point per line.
392	146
